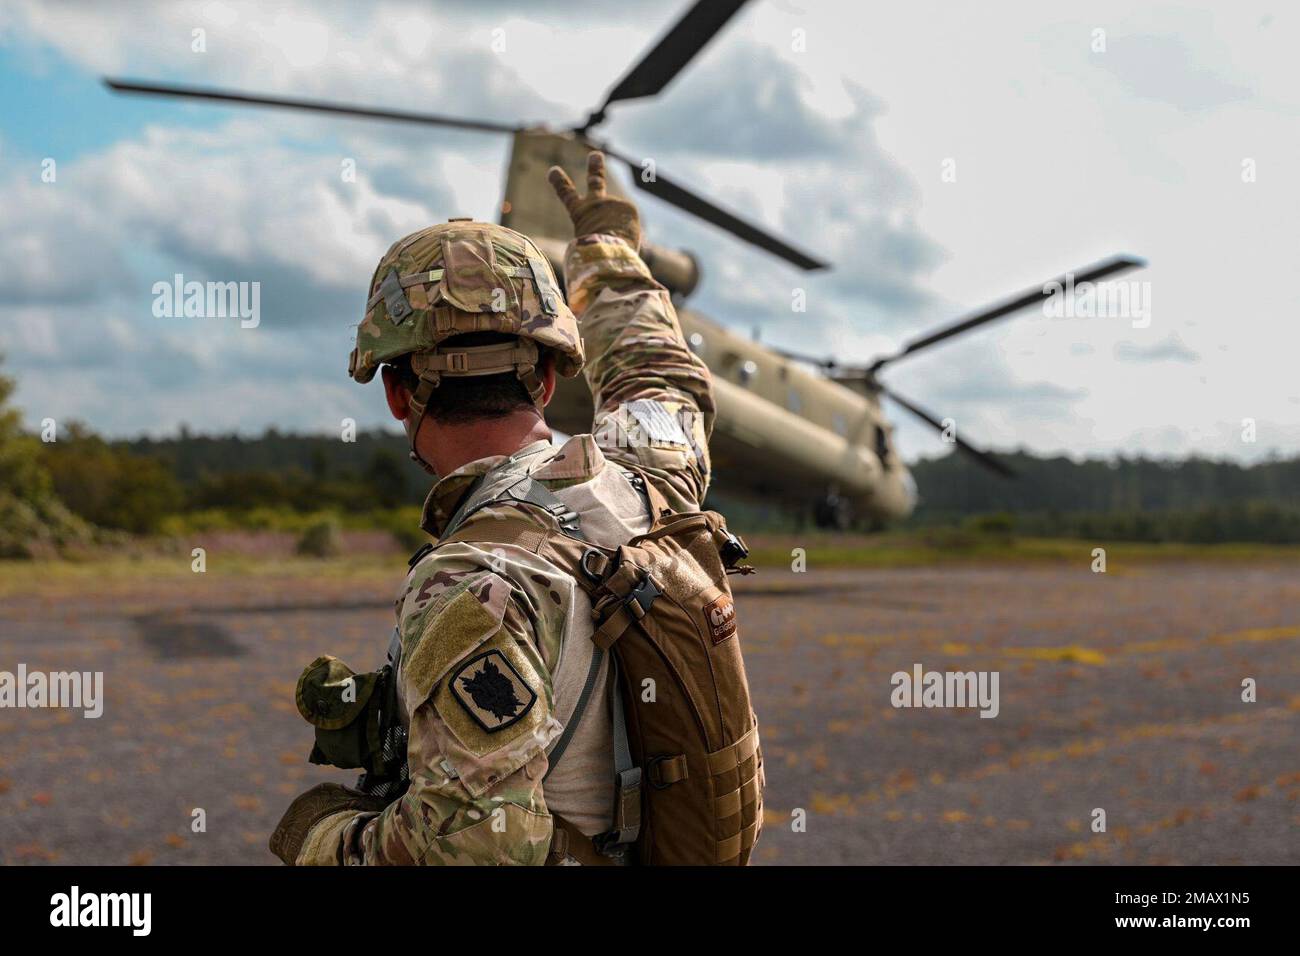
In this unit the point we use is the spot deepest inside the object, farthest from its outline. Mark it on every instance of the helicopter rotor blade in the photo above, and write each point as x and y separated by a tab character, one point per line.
1103	269
669	56
696	205
983	457
318	106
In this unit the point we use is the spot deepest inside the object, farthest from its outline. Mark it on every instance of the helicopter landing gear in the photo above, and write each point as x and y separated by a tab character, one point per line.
833	512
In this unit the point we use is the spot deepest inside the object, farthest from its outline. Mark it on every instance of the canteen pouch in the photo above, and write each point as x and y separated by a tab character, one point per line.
345	708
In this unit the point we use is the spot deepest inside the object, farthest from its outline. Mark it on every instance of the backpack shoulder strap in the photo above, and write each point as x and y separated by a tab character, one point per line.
659	506
588	564
525	490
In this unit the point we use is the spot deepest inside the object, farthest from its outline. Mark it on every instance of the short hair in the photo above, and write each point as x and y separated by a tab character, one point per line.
460	399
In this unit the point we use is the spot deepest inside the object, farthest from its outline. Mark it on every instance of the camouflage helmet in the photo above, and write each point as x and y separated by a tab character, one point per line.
459	277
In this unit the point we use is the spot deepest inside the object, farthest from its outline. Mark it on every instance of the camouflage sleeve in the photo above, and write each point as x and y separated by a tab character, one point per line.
478	693
653	396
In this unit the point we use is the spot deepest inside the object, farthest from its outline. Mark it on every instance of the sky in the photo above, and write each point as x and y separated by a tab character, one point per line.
941	155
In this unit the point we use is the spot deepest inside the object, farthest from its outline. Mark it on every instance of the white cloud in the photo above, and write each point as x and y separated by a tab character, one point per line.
1063	156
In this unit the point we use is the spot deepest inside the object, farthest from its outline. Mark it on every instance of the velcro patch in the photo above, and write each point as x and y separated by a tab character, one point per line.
658	424
491	691
461	625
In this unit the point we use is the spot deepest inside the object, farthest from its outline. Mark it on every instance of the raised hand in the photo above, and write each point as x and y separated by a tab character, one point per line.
596	212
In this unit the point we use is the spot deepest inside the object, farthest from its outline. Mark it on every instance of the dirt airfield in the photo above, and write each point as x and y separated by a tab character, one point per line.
1119	692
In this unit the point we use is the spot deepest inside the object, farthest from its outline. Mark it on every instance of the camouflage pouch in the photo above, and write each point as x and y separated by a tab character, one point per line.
345	708
471	279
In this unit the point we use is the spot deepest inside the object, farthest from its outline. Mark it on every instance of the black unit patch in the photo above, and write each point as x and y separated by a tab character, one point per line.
492	691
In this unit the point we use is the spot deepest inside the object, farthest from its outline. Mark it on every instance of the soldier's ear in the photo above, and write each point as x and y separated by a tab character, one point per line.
548	378
399	397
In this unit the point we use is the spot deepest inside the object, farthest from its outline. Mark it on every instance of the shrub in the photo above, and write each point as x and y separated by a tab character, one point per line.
321	540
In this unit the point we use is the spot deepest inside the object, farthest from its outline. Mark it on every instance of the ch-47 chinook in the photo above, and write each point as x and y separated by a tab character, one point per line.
806	433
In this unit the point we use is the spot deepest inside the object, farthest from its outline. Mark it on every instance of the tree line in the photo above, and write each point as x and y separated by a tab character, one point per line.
73	488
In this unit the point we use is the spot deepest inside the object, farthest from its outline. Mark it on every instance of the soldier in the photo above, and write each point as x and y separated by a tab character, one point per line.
496	653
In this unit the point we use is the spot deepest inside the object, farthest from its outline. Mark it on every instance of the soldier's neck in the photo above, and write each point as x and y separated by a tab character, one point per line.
451	446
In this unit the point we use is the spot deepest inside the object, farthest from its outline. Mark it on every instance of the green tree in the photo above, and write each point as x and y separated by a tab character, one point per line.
33	522
386	478
108	485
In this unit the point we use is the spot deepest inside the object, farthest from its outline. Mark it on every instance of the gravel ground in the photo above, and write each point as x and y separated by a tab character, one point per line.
1119	692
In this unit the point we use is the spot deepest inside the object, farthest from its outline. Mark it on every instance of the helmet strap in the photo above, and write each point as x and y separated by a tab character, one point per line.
429	380
528	376
477	360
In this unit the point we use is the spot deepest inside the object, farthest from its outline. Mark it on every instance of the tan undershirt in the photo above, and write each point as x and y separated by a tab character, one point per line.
580	787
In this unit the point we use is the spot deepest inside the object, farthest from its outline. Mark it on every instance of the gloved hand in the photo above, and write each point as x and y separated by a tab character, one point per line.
311	808
596	212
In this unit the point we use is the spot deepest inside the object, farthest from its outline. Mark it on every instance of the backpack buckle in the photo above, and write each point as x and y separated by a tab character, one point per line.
733	550
627	814
567	519
593	565
642	597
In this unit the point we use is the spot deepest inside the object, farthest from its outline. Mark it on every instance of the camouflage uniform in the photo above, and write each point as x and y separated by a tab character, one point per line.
485	630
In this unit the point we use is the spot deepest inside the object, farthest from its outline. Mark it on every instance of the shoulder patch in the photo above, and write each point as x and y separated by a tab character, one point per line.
658	424
489	688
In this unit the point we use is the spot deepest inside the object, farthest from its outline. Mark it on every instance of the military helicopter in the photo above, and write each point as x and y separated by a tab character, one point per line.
804	432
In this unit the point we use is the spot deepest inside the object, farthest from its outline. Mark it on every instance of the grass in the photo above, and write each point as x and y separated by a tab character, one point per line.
118	572
892	549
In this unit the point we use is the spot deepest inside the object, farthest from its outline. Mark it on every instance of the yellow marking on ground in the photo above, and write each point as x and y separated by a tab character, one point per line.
1156	647
905	783
1252	635
1077	654
1070	652
1256	634
867	640
832	805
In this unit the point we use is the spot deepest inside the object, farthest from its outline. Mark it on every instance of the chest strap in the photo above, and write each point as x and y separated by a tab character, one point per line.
526	490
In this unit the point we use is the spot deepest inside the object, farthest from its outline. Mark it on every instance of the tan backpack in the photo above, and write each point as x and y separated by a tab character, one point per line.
688	768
